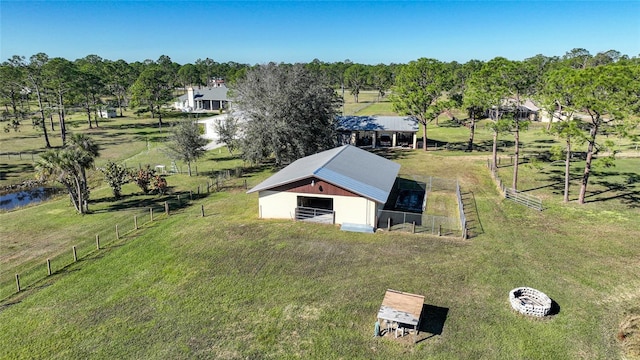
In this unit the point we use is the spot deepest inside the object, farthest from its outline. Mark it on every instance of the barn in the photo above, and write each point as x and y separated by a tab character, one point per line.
345	185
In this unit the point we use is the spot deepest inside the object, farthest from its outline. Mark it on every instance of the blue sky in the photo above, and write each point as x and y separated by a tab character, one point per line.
368	32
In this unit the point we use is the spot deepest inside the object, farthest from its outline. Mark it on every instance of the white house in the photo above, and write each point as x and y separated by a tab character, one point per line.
378	130
203	99
345	185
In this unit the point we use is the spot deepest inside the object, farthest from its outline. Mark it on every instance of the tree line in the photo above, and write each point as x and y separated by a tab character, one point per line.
289	109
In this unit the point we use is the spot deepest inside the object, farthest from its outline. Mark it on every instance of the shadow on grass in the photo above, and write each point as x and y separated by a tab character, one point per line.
555	308
626	190
391	153
432	320
175	201
9	171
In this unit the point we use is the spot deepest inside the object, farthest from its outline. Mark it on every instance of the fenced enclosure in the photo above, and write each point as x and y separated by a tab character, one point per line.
413	211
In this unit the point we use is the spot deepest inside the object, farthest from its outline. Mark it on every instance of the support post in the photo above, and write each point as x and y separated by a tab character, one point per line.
413	229
389	224
97	242
135	222
75	254
117	233
202	210
151	213
18	282
440	230
49	267
166	208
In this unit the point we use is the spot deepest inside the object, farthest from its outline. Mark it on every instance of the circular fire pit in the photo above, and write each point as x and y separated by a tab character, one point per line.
530	301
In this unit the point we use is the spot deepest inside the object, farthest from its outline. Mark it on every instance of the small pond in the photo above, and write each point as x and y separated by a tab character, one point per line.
25	197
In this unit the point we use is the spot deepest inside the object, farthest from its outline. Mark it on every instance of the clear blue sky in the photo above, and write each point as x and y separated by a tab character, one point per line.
368	32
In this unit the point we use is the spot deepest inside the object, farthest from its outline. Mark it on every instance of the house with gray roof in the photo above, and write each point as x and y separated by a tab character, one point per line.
345	185
376	131
204	99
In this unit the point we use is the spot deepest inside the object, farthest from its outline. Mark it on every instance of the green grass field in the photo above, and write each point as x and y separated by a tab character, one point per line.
231	286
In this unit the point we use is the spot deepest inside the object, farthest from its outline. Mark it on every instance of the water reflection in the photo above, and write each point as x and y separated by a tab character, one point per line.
24	197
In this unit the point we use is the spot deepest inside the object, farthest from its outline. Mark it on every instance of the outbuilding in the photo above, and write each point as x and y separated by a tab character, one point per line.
107	113
378	131
345	185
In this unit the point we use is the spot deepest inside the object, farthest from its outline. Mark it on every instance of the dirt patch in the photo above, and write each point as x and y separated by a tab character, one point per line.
629	336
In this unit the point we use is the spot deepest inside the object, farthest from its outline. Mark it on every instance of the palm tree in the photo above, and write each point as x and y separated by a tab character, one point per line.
68	167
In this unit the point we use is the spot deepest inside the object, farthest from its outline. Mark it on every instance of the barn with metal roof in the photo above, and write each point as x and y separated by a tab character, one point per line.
345	185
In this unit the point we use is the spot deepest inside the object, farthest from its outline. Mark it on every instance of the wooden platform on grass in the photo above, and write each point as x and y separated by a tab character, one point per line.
401	307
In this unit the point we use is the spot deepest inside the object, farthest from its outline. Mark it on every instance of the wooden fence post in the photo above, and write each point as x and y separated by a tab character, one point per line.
117	233
18	282
75	254
179	201
135	222
202	210
48	267
190	195
440	230
389	224
245	184
198	190
413	229
166	207
151	213
97	242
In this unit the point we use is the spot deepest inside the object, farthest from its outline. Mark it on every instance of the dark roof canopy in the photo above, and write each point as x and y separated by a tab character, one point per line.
378	123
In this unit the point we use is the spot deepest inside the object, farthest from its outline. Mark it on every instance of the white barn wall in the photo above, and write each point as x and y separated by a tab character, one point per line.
354	210
348	209
277	205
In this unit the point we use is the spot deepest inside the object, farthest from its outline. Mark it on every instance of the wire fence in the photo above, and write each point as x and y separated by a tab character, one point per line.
417	221
34	272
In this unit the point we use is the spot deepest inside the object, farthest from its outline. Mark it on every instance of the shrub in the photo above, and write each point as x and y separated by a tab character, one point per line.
142	177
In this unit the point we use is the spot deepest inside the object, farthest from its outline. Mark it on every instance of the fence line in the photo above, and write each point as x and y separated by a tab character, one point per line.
512	194
463	217
29	275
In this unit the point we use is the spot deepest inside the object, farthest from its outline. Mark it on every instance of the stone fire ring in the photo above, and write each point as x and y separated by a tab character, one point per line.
529	301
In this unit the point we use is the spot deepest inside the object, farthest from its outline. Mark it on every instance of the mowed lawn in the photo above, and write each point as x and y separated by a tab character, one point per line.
231	286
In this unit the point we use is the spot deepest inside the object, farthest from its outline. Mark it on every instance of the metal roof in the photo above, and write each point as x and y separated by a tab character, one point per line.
208	93
347	166
378	123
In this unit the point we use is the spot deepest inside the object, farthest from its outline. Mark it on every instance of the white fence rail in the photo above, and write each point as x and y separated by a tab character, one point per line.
315	215
524	199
